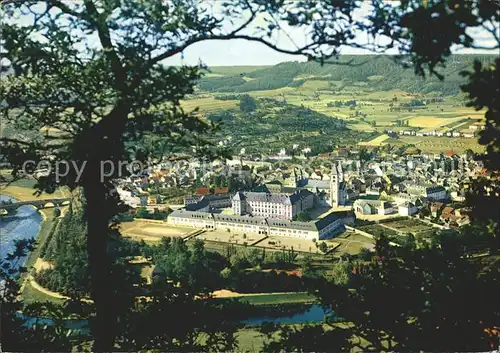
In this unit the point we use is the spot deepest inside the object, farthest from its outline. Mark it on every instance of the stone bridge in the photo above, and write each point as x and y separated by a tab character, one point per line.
38	204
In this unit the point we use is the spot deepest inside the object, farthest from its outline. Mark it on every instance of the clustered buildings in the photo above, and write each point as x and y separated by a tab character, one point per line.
272	210
273	194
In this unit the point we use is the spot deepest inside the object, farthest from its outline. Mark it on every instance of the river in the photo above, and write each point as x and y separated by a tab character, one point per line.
312	313
24	224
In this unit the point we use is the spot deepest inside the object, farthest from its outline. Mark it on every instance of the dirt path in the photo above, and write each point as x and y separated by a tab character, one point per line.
225	293
50	293
41	264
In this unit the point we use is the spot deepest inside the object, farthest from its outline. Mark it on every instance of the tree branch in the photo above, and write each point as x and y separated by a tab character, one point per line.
105	38
67	10
494	31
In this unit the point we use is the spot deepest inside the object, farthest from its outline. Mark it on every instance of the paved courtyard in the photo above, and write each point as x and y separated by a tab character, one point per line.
152	231
220	235
287	243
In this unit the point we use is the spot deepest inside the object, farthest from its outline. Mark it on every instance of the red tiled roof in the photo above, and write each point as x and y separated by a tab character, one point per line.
451	153
297	272
202	191
221	190
447	210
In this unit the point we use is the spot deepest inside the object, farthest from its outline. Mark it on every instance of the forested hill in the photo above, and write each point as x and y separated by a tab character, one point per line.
379	72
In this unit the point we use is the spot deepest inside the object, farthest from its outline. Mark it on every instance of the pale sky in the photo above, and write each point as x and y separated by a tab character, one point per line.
241	52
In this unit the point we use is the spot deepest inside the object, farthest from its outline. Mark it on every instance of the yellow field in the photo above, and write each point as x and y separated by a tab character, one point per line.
427	121
466	112
377	141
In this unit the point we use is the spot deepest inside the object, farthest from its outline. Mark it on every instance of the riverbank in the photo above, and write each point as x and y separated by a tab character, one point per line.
23	190
28	293
49	222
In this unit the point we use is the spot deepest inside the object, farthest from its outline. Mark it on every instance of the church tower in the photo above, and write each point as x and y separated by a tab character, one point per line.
340	173
334	188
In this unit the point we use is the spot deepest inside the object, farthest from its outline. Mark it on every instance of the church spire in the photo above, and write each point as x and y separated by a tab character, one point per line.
334	187
340	172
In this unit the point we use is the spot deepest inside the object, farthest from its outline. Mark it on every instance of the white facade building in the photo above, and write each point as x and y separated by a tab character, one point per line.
407	209
314	230
430	192
281	206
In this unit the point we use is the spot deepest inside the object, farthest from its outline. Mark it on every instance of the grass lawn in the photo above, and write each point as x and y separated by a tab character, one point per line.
251	340
278	298
31	295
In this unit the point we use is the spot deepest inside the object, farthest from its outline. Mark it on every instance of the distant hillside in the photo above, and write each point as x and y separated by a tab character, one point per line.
380	72
235	70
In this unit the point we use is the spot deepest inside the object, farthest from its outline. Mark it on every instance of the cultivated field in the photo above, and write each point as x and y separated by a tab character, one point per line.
351	243
431	121
378	229
433	144
209	104
375	110
399	230
377	141
410	225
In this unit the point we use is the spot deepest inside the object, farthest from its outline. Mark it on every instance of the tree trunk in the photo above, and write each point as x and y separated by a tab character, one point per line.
97	213
102	143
